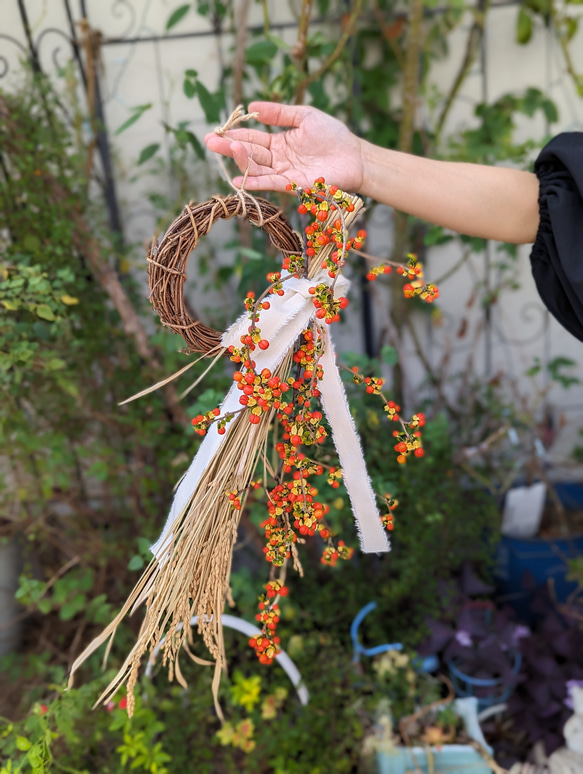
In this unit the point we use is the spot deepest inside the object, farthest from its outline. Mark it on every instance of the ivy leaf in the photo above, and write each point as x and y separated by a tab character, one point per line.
11	305
45	312
210	103
136	114
177	16
148	152
69	300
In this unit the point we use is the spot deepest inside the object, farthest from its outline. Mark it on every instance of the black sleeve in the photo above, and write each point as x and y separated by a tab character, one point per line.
557	254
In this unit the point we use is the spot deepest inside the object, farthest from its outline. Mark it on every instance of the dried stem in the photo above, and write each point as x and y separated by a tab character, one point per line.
472	46
340	46
239	58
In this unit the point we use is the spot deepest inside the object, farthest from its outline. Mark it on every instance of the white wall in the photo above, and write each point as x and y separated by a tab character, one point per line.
135	74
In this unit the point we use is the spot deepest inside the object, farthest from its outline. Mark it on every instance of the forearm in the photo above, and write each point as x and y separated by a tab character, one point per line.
489	202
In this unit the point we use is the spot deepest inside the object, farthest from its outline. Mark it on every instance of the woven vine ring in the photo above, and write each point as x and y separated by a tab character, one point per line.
167	261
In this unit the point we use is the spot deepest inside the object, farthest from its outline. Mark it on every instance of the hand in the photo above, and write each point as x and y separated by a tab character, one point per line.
316	145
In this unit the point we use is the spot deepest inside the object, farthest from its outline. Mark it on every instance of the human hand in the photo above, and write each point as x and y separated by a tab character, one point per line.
315	145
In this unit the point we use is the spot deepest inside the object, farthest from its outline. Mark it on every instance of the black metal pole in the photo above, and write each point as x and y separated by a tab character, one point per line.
366	311
31	47
103	149
74	45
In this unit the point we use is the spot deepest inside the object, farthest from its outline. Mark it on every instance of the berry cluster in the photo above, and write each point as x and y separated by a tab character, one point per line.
266	645
412	270
326	204
261	392
373	273
331	555
387	518
202	422
327	307
408	439
373	383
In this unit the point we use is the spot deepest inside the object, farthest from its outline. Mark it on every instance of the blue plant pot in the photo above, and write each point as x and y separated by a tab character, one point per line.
542	558
488	691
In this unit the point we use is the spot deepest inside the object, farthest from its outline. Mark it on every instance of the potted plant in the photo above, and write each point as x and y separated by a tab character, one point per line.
476	640
552	662
415	727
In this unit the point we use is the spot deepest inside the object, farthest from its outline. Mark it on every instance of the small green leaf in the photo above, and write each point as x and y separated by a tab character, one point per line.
55	364
196	146
523	26
148	152
177	16
571	25
31	243
550	111
189	88
144	546
11	305
69	300
45	605
261	53
137	112
136	562
252	255
210	103
23	743
45	312
70	609
389	355
191	73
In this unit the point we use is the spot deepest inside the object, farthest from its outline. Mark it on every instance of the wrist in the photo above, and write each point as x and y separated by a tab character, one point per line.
375	170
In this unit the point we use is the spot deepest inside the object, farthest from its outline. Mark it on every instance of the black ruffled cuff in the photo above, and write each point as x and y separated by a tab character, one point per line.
557	254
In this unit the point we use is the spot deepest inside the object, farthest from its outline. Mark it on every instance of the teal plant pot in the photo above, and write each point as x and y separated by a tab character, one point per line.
449	759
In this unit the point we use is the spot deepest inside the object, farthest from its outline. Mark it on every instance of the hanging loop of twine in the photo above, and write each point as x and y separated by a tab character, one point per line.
167	261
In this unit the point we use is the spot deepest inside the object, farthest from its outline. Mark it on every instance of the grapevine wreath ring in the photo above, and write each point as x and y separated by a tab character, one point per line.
167	261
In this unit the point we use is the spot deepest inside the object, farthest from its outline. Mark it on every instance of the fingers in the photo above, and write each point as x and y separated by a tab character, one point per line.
268	182
250	136
274	114
218	144
253	155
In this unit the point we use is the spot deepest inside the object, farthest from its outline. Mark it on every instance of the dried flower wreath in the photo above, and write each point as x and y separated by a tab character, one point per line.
286	370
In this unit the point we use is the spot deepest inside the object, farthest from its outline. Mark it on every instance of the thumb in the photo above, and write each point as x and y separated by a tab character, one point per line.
274	114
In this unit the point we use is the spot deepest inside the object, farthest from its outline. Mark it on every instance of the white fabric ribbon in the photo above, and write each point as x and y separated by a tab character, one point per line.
281	325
